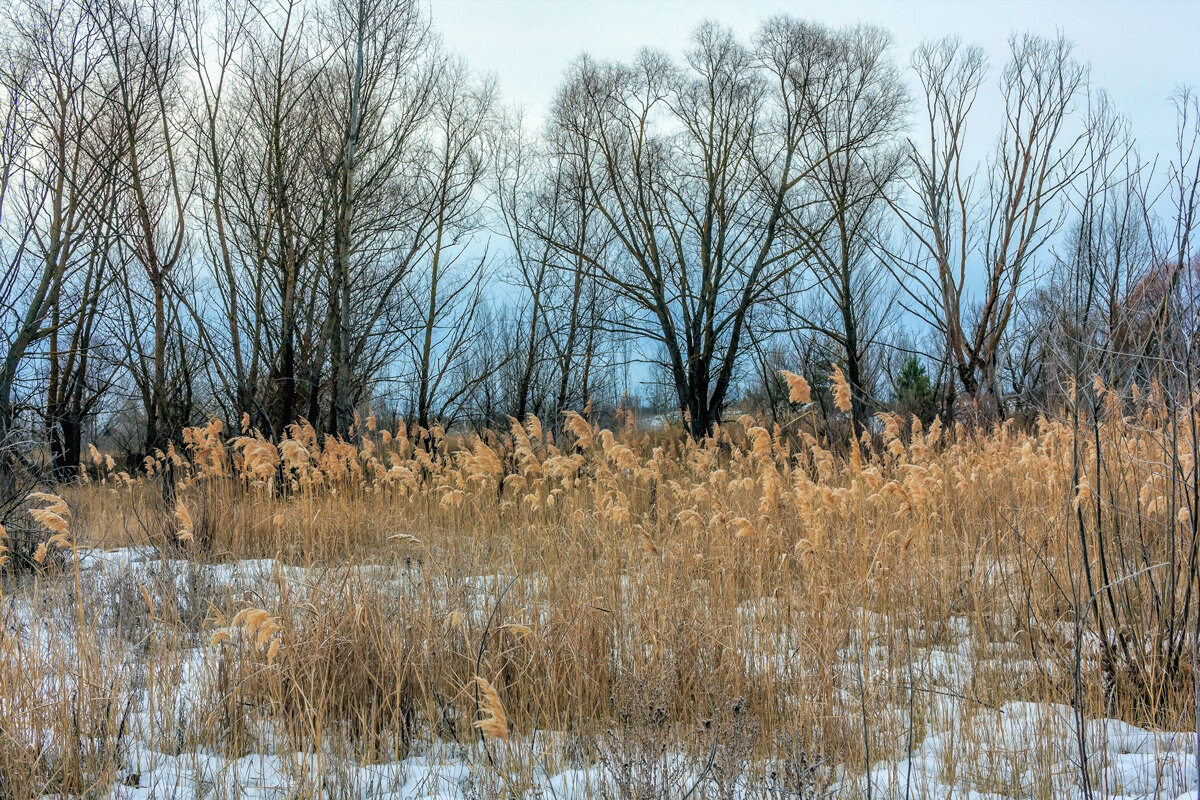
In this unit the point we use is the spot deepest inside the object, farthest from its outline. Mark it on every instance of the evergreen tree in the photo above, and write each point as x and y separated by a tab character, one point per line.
914	392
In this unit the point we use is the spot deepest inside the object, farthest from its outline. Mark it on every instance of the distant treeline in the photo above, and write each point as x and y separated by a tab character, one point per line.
298	209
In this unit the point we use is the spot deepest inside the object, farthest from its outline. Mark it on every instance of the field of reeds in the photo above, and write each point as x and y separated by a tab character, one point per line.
1005	611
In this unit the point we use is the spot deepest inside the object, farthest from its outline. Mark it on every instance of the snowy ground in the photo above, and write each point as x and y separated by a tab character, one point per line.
965	749
1129	763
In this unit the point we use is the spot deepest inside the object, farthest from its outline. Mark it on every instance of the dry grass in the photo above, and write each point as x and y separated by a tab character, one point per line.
767	603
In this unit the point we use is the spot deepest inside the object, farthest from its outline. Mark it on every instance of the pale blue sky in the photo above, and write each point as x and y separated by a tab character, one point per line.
1139	51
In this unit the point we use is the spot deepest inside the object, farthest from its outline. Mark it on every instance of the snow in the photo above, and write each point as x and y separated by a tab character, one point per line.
966	748
1162	766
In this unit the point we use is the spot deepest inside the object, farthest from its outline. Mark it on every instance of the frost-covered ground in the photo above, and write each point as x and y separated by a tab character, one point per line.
1128	763
962	748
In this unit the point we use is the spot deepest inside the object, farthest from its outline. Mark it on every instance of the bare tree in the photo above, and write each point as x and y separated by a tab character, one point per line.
319	200
532	259
57	163
958	234
144	55
543	201
18	74
859	162
381	91
1072	327
76	382
1174	332
274	201
447	285
214	43
692	170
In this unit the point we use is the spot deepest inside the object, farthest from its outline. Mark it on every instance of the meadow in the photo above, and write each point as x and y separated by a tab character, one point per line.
768	612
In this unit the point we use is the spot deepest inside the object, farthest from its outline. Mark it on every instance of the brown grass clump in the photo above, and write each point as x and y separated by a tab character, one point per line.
493	724
798	389
53	516
755	600
841	390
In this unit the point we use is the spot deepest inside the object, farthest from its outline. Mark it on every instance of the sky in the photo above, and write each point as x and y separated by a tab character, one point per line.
1139	51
